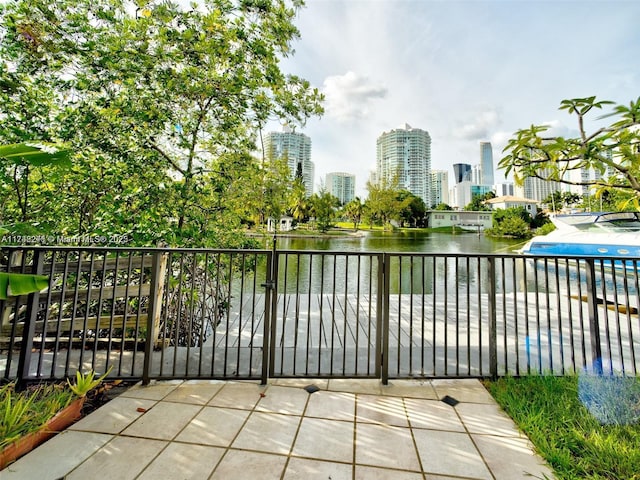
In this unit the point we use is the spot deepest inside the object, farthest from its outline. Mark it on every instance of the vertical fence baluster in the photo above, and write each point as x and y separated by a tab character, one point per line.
491	312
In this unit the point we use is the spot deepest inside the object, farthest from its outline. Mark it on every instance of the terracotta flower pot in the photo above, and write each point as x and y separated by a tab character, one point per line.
57	423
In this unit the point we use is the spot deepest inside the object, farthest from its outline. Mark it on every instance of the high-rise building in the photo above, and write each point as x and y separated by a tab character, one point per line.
503	189
404	155
439	188
462	172
296	148
537	189
486	163
341	185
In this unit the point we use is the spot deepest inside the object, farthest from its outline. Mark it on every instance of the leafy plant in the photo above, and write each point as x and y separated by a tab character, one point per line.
14	284
14	414
611	151
22	413
85	382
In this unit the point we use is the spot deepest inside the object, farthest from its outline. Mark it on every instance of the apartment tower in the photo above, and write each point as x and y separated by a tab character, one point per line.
296	148
404	155
341	185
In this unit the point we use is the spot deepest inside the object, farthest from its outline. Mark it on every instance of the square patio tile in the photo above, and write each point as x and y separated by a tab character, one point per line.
196	392
467	390
57	457
332	405
121	459
511	458
164	421
375	473
385	410
241	465
268	432
287	400
450	453
432	414
325	440
214	426
154	391
183	461
321	383
304	469
386	446
371	386
238	395
115	416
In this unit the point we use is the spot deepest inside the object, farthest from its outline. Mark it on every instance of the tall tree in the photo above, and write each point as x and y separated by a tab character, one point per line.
163	92
412	208
323	208
478	204
354	211
383	204
613	151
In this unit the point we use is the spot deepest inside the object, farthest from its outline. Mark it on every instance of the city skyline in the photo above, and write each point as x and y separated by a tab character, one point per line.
465	71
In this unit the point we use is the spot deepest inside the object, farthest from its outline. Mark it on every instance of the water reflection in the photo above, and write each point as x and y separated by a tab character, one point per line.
442	262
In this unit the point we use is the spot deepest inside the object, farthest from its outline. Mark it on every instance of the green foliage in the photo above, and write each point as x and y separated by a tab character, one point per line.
546	228
514	222
613	151
354	211
558	200
553	412
25	412
36	154
324	208
443	206
412	209
85	382
477	203
159	106
15	284
383	203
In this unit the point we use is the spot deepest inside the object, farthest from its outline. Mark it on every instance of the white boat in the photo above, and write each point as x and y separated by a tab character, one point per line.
598	235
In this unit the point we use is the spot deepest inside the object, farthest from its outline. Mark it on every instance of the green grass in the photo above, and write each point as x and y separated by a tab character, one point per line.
585	427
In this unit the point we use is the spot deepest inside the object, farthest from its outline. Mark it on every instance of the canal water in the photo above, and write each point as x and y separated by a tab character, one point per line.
405	241
344	272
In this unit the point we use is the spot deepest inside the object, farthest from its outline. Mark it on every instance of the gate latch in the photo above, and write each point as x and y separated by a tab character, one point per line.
268	285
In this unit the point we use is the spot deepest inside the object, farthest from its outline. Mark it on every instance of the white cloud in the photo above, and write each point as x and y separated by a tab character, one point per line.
558	129
348	97
481	126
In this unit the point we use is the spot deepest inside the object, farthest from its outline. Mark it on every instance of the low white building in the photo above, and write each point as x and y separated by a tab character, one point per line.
509	201
459	218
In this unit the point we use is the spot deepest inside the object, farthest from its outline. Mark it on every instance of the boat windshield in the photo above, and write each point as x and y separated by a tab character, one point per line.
609	222
614	222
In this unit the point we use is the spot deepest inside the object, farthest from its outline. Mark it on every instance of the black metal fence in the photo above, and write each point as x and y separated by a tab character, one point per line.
256	314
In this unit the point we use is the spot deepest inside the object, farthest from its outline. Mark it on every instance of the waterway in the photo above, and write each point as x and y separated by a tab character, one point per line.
405	241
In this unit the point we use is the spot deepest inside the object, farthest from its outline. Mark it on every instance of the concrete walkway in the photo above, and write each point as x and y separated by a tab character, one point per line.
347	429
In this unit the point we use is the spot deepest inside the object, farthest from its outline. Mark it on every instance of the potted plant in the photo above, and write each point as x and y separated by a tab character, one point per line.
29	418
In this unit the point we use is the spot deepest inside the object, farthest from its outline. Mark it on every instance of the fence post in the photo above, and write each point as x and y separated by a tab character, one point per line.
29	328
156	291
493	328
594	322
270	309
382	336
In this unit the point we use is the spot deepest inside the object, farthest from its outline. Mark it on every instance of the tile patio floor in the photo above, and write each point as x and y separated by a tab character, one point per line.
348	429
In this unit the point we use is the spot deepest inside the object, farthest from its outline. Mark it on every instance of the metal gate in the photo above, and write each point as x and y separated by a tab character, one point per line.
326	314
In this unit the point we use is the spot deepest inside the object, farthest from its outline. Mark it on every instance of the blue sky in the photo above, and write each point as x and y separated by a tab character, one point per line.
465	71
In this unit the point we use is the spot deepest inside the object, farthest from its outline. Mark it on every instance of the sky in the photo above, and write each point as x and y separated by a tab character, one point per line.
466	71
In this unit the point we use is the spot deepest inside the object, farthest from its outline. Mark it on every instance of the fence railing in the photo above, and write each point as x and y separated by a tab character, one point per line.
255	314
